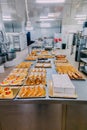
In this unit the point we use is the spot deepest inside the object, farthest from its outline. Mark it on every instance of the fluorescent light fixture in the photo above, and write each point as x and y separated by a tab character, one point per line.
50	1
51	14
7	18
45	25
43	17
80	18
48	19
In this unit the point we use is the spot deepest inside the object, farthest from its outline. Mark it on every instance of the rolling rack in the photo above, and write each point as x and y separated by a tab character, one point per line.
83	58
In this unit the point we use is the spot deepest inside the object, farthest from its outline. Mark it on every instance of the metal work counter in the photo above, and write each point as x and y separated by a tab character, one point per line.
46	113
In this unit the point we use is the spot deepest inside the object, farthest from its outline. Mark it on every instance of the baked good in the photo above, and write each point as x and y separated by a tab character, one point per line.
1	92
38	70
70	70
6	92
5	82
31	58
24	65
43	65
36	79
32	91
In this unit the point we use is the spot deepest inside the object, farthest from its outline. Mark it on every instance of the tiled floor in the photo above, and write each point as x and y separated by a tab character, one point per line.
21	56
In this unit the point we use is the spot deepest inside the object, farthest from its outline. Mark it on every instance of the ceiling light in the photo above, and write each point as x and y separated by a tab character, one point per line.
50	1
7	18
43	17
53	14
79	18
48	19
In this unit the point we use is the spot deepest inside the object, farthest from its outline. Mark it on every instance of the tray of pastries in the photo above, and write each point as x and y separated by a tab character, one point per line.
38	70
31	58
33	53
18	71
24	65
36	79
72	72
43	65
44	52
45	56
63	64
60	57
32	91
13	79
8	92
61	61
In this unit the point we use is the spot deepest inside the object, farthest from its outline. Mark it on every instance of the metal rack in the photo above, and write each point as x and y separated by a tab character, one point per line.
83	68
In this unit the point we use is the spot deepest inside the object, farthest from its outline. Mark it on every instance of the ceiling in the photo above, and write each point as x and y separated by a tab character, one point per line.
68	10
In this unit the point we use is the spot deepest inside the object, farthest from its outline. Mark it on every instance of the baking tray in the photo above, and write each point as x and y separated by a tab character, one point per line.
23	67
83	77
29	85
43	61
15	92
10	84
37	71
59	95
26	59
18	96
43	66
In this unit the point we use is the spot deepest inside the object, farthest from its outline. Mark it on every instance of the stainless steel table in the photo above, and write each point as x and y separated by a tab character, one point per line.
46	113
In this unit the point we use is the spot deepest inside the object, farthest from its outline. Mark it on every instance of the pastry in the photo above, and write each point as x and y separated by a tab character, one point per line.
24	65
32	91
36	79
5	82
65	68
1	92
6	92
31	58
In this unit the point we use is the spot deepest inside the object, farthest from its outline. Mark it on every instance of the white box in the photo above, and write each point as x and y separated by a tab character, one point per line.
62	84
